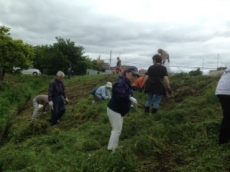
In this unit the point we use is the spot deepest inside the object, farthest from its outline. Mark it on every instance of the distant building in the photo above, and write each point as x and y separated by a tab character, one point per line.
219	71
105	66
95	72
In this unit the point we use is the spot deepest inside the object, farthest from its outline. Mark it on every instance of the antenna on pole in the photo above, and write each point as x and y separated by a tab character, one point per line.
110	59
217	61
203	65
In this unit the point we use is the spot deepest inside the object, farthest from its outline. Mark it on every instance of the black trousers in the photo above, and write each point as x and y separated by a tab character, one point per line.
224	135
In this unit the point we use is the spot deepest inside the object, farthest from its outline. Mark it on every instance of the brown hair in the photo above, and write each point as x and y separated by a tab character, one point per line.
157	58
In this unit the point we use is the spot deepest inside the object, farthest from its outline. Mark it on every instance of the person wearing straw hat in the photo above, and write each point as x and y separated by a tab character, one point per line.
103	93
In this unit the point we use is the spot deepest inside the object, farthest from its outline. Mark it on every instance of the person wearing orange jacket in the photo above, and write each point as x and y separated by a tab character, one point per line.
137	85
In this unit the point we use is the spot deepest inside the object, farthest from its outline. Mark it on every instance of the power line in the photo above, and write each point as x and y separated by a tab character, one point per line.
147	64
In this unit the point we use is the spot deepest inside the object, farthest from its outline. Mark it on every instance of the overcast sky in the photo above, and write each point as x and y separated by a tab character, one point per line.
193	32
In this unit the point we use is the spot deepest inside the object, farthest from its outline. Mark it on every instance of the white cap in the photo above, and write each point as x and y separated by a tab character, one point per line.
109	85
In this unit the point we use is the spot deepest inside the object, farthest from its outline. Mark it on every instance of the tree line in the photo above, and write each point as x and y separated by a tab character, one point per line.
47	58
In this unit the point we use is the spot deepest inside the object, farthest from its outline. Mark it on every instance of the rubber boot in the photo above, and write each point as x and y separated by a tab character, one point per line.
154	111
146	110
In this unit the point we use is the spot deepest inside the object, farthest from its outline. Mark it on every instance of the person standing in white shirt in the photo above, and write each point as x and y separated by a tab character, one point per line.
223	94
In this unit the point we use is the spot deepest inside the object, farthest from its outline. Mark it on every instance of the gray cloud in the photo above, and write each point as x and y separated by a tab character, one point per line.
39	22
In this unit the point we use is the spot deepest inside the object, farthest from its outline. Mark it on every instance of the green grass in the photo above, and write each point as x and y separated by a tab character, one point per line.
181	137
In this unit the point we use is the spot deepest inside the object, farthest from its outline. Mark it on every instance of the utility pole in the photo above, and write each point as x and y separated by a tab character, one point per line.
217	61
110	60
203	65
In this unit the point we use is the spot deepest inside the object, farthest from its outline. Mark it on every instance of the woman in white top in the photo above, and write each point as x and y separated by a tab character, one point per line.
223	94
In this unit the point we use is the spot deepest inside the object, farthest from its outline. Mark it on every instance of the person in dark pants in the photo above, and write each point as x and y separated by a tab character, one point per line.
70	71
56	91
153	84
223	94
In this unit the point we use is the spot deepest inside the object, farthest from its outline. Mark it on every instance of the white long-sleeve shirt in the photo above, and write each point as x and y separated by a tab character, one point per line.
223	86
103	92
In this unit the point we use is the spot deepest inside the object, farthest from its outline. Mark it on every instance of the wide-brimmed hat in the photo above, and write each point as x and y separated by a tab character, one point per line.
133	70
109	85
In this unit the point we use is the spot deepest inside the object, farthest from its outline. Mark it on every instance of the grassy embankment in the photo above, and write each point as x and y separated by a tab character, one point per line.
182	137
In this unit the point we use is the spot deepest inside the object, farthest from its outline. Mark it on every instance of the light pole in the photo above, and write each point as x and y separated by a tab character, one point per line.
203	65
217	61
110	61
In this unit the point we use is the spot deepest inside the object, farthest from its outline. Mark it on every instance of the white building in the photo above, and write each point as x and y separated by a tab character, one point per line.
219	71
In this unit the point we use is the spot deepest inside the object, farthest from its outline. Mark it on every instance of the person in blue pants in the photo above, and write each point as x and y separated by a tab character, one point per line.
153	84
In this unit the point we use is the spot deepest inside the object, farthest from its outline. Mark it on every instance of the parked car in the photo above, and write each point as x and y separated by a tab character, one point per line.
30	71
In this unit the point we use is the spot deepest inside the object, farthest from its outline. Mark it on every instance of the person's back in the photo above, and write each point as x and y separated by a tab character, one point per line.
153	84
223	87
102	90
42	99
157	71
223	94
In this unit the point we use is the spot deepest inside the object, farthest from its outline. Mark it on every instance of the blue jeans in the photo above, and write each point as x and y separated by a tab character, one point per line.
58	109
157	100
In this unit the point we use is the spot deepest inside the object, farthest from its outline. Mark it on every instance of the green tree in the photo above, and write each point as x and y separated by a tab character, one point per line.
81	68
13	53
195	72
59	56
98	66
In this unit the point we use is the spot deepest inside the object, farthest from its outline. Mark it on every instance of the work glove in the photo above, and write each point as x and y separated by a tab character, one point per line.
169	91
132	99
51	104
66	100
